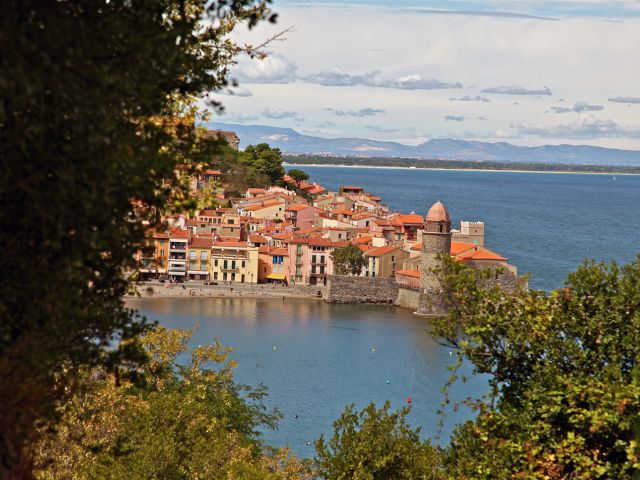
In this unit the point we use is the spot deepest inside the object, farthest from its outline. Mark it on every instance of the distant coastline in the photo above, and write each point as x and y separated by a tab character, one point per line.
413	164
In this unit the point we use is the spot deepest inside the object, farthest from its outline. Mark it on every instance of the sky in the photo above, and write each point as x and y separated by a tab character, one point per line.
524	72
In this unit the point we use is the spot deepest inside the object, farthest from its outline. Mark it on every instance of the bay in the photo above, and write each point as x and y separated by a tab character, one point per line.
316	358
544	223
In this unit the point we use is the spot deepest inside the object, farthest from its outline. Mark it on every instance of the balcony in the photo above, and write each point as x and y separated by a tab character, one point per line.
230	269
178	246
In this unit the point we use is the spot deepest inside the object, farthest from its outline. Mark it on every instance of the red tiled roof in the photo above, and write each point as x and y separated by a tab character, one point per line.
210	171
298	207
177	233
280	251
459	247
381	250
254	208
409	273
409	218
231	244
254	238
480	253
199	242
363	240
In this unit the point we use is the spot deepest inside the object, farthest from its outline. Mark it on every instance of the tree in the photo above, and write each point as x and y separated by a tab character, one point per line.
348	260
177	421
564	374
96	109
375	445
264	162
298	175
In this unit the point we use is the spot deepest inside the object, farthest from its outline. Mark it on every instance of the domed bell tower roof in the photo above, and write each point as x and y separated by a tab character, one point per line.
438	213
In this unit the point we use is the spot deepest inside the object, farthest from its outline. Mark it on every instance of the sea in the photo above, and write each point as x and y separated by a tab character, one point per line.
317	358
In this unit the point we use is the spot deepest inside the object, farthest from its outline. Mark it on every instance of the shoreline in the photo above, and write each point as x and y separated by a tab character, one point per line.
559	172
157	290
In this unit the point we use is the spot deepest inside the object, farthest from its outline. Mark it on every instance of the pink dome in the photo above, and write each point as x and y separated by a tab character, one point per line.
438	213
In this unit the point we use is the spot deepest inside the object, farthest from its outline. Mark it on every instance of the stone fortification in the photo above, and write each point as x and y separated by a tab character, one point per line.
408	298
436	241
346	289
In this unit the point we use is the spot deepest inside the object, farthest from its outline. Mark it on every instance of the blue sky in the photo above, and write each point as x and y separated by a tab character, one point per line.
525	72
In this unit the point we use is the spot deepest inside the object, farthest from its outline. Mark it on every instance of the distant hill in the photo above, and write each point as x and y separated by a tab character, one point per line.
292	142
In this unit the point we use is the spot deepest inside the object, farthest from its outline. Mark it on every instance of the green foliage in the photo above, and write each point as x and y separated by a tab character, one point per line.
564	375
375	445
177	421
264	162
298	175
348	260
96	109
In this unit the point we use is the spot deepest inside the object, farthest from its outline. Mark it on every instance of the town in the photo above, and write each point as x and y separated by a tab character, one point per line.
288	235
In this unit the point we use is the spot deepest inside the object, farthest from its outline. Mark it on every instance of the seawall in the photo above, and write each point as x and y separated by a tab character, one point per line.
347	289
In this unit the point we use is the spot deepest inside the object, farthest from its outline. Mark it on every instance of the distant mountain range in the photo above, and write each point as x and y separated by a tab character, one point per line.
292	142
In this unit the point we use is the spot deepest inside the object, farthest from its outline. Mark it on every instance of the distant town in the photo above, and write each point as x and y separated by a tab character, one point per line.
287	235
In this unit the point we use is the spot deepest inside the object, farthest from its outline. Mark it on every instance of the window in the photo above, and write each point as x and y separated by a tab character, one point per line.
224	276
321	268
203	256
233	277
242	279
233	264
192	255
243	263
313	269
226	264
231	221
215	275
274	259
215	262
393	258
313	259
162	253
321	258
299	249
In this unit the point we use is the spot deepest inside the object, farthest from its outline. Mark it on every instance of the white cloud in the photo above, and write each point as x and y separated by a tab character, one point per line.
277	114
334	77
274	68
454	118
625	100
363	112
586	127
578	107
517	90
468	98
235	91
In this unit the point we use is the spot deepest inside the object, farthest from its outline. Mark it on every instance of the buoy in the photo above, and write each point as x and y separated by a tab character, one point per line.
308	443
295	416
409	399
274	347
450	354
388	382
373	350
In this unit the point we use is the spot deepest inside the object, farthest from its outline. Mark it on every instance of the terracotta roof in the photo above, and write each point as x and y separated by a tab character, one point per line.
282	236
342	211
210	171
200	242
263	249
409	273
363	240
418	247
480	253
177	233
254	208
231	244
351	187
256	190
438	213
280	251
409	218
459	247
298	207
161	236
253	238
320	242
191	222
376	252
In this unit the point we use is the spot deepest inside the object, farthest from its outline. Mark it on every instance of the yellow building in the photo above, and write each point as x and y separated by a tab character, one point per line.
234	262
272	210
198	254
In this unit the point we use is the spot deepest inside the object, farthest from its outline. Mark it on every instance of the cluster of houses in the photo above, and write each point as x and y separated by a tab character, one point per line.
287	235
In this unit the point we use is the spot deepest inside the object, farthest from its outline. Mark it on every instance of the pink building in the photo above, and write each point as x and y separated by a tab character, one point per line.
302	216
310	260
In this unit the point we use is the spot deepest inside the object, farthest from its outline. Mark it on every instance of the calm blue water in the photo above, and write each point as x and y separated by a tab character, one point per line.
546	224
324	359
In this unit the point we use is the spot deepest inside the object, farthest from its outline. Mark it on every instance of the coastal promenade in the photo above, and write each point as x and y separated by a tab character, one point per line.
159	290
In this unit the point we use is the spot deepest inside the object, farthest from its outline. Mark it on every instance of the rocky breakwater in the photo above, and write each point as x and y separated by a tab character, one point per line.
348	289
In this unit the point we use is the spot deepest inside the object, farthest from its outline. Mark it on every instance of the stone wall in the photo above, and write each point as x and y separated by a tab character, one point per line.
346	289
408	298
